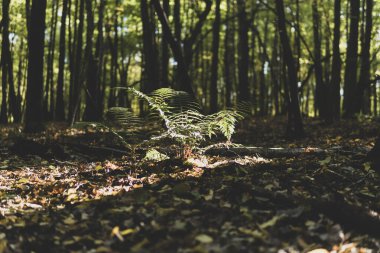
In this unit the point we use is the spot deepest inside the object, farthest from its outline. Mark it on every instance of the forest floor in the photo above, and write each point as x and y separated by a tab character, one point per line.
58	197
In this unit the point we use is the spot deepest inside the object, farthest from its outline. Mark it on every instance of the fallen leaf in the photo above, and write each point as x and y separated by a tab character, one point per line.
116	232
203	238
271	222
23	180
326	161
137	247
319	251
128	231
70	221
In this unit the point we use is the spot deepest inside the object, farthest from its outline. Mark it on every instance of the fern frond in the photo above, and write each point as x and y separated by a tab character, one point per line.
244	108
123	117
225	121
177	101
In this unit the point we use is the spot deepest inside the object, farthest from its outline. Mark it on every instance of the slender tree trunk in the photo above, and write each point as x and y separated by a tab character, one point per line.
5	61
78	69
151	63
34	93
375	100
165	51
27	15
262	85
49	89
20	79
275	73
350	78
52	83
60	105
243	52
295	125
228	58
92	88
177	20
73	27
215	60
334	94
364	80
14	105
297	40
99	56
6	64
114	46
320	90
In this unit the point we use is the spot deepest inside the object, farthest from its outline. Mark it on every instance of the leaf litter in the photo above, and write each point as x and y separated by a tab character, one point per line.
91	203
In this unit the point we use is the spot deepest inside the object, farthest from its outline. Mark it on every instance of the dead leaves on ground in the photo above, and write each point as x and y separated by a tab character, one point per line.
206	204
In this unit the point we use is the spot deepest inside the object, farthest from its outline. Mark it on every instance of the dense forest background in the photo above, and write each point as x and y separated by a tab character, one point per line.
62	59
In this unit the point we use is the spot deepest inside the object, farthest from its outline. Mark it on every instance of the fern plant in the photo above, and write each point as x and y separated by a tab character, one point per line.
182	120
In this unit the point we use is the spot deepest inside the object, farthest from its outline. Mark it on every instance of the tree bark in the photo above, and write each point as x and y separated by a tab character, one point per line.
243	52
114	47
320	89
99	56
78	69
295	125
151	64
334	94
60	105
4	61
364	79
229	59
165	52
350	78
6	64
275	72
92	88
34	93
215	60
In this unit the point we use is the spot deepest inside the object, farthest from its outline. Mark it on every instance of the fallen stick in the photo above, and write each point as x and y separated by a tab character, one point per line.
280	152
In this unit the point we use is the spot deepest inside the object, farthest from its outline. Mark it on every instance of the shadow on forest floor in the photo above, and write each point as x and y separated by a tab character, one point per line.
235	204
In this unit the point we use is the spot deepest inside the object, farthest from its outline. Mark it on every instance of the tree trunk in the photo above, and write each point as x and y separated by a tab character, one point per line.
215	60
73	27
60	105
177	20
151	64
229	60
99	56
320	91
295	125
92	87
114	47
78	69
4	62
49	63
350	78
34	93
7	72
243	52
364	80
165	52
334	94
275	73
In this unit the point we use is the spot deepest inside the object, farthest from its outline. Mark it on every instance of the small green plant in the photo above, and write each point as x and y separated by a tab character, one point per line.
175	116
183	122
